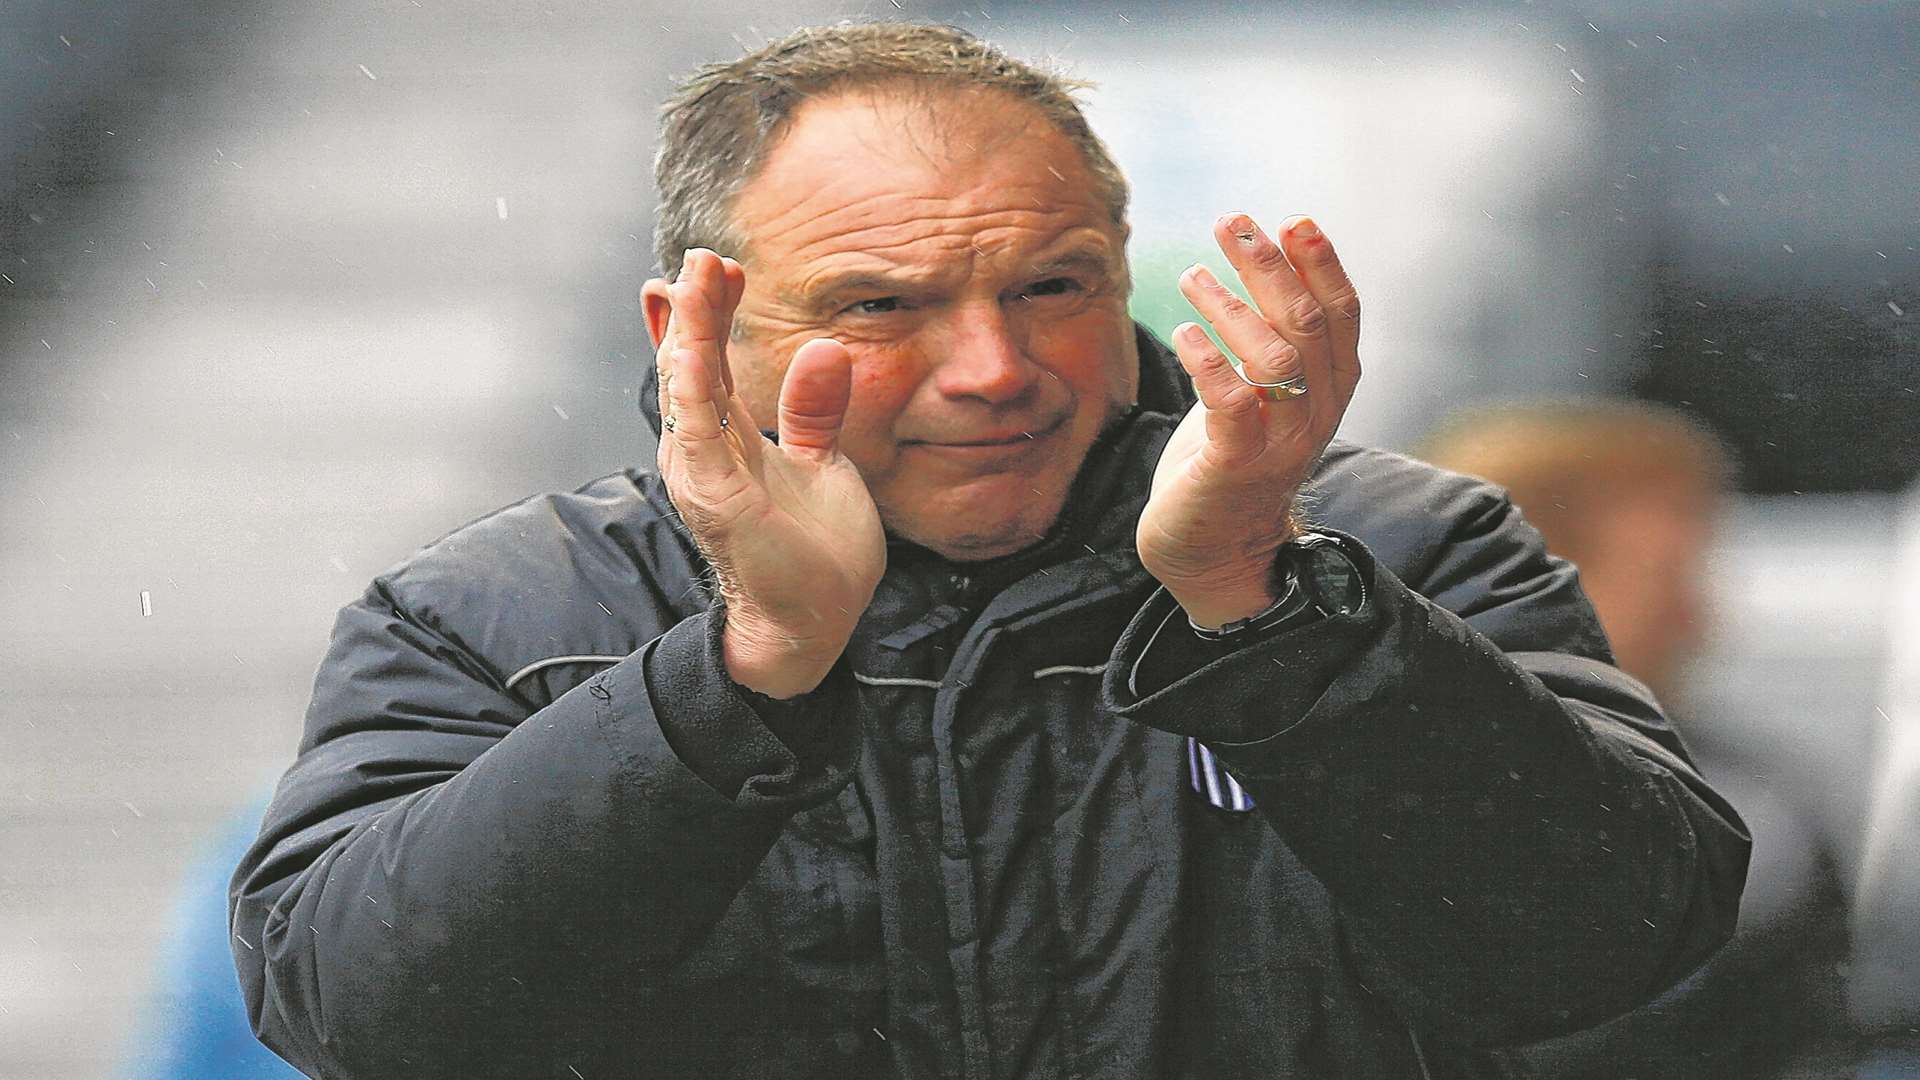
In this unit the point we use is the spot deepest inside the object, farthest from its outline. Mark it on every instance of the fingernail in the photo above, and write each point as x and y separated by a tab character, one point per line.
1203	275
1303	227
1192	333
1241	226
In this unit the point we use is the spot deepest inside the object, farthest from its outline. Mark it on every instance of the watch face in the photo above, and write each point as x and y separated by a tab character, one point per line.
1329	578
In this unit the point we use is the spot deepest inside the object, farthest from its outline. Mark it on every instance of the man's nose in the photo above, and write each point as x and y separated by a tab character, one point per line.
982	357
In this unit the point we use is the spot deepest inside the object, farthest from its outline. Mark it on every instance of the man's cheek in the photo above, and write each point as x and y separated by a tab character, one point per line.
1096	375
880	394
881	388
1087	349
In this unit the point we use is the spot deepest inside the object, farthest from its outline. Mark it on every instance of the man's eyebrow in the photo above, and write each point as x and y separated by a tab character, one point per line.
824	289
1086	259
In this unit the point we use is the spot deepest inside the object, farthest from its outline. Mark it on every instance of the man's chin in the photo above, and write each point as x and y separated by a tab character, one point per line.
968	535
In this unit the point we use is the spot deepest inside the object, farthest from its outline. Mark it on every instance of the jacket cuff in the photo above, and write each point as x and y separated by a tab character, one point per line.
749	747
1245	691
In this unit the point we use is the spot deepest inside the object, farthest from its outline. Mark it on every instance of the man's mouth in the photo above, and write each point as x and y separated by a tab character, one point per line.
1011	439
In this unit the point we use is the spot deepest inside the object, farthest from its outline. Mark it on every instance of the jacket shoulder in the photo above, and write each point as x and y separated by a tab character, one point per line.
1460	542
592	572
1402	507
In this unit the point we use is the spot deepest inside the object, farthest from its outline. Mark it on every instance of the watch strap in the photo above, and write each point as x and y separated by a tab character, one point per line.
1294	588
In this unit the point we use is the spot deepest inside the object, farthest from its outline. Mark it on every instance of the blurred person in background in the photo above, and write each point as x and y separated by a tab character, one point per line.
961	695
1631	494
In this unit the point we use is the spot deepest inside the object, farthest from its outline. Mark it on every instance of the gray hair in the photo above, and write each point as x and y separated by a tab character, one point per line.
717	129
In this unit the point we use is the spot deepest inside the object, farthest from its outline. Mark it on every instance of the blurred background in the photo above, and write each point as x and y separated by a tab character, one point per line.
288	290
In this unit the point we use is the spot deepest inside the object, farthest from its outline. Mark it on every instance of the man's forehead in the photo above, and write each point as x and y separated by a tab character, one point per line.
896	122
848	149
854	190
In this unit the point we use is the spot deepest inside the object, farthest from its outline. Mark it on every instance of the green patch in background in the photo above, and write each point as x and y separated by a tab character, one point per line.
1156	300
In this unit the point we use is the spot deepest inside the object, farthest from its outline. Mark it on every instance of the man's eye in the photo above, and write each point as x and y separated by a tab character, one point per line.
879	305
1058	286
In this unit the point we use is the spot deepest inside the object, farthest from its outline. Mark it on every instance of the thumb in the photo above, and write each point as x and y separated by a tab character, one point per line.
814	396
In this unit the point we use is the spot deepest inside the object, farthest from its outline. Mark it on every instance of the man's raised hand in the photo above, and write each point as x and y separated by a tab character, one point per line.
1224	491
789	527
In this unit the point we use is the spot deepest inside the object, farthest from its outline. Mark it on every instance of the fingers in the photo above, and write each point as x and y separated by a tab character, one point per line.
735	277
663	387
1295	341
1318	267
697	437
704	297
1233	408
814	396
1298	283
1305	317
697	293
1266	354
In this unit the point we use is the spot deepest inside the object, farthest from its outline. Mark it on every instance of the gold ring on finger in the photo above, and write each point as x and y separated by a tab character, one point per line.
669	422
1283	390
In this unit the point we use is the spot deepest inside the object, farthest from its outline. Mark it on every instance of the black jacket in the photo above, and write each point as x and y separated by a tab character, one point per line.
534	831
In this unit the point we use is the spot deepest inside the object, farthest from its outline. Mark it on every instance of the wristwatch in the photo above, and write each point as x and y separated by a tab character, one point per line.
1300	579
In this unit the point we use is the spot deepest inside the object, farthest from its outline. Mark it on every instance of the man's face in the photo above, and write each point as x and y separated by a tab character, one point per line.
1645	574
957	247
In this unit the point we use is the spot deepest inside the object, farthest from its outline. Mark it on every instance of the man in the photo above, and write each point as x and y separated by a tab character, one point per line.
959	697
1632	494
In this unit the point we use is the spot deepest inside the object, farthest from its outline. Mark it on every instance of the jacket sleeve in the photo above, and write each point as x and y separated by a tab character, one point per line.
1510	829
443	880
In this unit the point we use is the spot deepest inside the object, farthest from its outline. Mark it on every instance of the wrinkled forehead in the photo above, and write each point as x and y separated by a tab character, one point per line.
898	176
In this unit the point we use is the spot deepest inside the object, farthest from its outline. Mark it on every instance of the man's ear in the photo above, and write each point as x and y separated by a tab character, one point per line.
656	307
